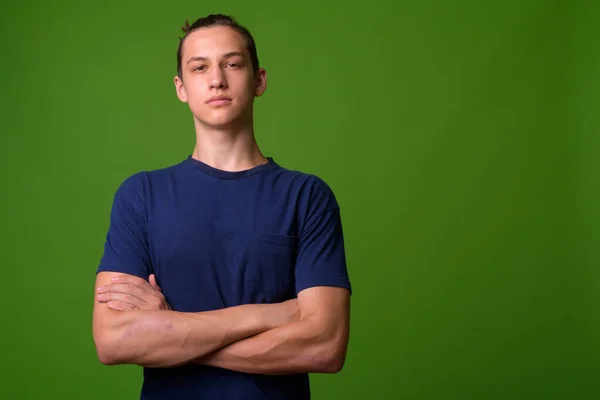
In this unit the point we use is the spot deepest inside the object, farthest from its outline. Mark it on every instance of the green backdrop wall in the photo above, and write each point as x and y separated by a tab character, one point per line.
460	139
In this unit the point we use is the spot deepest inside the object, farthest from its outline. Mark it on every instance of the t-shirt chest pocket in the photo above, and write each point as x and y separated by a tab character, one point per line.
271	265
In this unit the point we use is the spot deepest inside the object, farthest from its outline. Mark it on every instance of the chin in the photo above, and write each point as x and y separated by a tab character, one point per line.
220	120
219	123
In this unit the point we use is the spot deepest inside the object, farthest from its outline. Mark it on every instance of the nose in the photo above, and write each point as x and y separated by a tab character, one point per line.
218	79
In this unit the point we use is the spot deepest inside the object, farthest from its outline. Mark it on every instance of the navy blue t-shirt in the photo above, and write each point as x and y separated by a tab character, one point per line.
218	239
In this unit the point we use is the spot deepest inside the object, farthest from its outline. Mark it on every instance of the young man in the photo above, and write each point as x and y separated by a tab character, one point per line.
224	275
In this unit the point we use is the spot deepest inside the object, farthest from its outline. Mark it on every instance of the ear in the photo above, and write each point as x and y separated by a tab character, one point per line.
261	82
180	89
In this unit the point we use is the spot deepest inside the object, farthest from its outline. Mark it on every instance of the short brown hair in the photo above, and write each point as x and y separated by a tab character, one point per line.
213	20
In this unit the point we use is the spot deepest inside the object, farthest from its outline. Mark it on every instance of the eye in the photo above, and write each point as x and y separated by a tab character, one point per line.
200	68
233	65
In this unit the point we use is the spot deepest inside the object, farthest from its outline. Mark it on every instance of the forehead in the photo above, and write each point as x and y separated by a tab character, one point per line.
213	42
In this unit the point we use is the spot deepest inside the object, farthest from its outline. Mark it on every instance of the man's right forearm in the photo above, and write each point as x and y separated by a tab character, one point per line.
170	338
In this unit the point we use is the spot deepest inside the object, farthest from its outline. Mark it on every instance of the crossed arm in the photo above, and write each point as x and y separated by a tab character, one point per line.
134	325
317	342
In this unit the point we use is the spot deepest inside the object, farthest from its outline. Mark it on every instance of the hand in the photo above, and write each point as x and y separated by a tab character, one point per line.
133	293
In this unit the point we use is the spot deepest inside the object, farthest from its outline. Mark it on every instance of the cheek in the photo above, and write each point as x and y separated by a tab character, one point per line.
192	86
245	92
195	99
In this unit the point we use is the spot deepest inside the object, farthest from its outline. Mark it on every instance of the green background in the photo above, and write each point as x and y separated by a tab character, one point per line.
461	139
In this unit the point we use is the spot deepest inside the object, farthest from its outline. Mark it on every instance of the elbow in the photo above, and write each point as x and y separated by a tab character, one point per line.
333	364
329	351
113	346
107	350
113	340
107	358
330	359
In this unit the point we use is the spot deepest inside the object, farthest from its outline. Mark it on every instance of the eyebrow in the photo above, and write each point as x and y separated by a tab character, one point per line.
227	55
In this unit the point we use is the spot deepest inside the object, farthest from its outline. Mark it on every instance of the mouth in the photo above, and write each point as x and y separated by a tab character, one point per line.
219	100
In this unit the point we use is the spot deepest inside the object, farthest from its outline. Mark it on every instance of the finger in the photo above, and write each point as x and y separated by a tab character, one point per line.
146	303
123	288
130	279
145	299
120	306
125	298
153	282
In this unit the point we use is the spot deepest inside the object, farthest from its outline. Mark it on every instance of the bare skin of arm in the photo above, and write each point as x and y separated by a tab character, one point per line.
316	342
155	336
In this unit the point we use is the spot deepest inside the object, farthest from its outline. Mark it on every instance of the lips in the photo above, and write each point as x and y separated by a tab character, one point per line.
219	100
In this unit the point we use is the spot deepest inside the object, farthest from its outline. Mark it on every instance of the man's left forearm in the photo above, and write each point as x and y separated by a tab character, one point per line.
298	347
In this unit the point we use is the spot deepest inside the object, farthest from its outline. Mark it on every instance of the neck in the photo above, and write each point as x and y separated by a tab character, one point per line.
232	149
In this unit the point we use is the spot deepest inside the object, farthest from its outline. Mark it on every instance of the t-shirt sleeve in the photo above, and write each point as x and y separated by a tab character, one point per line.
321	258
126	246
